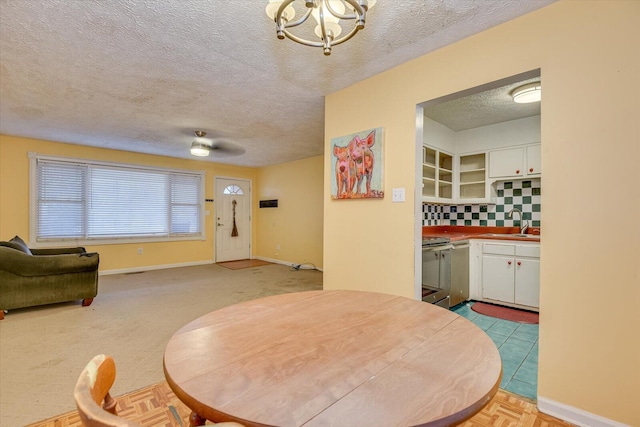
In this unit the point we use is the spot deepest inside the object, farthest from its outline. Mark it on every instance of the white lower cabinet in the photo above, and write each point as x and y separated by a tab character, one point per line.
511	273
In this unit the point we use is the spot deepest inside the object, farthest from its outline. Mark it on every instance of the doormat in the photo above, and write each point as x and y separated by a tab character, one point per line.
243	263
505	313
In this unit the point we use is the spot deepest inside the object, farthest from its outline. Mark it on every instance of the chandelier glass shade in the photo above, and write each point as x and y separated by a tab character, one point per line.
336	20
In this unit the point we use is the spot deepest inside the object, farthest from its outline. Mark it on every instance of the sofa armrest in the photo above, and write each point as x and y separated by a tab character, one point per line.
57	251
21	264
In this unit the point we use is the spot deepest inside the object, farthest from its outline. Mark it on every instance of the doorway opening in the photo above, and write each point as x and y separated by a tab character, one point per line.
232	219
462	141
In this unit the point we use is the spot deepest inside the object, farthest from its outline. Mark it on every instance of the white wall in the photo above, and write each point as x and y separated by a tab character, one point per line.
500	135
484	138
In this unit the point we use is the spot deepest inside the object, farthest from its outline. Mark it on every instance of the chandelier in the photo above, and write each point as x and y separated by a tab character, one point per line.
328	14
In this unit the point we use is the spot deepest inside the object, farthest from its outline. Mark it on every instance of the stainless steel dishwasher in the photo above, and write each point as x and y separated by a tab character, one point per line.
459	272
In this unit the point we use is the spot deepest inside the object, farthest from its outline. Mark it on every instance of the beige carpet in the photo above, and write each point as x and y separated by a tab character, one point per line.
43	350
243	263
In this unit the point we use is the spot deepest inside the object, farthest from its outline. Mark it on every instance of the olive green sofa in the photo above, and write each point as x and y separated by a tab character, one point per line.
31	277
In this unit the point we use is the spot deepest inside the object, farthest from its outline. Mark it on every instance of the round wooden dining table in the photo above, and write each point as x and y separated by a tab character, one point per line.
333	358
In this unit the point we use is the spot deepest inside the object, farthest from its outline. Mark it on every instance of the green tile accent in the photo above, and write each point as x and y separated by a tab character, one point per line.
498	339
467	208
508	200
526	184
483	222
525	215
518	207
499	208
499	223
508	184
527	373
460	215
535	207
500	193
525	335
453	222
517	192
484	322
483	208
535	223
475	215
492	215
467	222
535	191
526	200
523	389
504	327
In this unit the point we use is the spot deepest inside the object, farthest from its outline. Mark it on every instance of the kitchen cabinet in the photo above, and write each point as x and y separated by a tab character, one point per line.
472	178
437	175
511	273
518	162
533	160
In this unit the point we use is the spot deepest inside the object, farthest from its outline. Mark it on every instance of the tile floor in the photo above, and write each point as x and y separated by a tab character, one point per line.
518	347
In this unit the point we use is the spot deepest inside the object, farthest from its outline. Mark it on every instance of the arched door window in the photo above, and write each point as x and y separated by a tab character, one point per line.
233	189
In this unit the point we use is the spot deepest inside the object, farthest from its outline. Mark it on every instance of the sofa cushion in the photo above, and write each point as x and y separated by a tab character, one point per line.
12	246
19	244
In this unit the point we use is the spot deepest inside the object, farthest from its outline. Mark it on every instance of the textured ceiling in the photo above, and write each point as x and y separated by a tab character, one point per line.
486	106
142	75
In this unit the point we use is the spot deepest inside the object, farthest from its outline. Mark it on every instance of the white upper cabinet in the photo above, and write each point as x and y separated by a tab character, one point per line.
472	178
517	162
533	159
437	175
504	163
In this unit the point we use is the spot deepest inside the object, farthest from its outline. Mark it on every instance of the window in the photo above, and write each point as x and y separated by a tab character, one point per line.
88	201
233	189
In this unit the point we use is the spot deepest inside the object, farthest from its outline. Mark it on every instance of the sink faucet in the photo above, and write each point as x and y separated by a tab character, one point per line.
524	224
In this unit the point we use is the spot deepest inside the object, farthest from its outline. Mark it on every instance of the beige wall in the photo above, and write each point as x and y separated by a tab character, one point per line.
296	224
590	278
14	201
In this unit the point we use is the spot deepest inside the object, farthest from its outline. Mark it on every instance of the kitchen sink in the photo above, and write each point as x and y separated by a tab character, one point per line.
530	236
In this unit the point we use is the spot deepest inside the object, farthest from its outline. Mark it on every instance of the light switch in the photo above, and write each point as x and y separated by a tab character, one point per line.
398	195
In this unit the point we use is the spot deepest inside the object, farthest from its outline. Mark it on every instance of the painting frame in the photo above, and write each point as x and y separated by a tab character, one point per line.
357	165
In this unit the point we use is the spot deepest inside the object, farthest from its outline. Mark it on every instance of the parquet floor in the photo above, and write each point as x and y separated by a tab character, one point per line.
156	406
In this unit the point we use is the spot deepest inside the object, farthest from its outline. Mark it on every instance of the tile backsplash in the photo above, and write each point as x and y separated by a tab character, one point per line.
521	194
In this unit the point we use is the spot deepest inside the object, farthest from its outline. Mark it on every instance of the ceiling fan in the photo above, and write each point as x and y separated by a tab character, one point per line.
202	146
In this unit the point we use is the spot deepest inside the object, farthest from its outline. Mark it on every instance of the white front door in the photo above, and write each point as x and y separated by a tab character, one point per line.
233	219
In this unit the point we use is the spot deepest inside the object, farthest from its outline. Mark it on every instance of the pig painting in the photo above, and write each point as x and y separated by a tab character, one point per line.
357	165
360	152
345	171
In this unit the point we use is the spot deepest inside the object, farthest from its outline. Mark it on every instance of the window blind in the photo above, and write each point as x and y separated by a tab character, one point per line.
107	201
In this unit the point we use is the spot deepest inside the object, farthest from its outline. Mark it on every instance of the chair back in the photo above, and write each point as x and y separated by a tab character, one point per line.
95	405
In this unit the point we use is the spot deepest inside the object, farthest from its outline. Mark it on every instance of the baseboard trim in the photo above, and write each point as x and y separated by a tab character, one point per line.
287	263
152	267
574	415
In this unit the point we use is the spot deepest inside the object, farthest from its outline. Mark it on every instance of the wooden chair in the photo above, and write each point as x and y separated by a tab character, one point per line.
92	389
95	405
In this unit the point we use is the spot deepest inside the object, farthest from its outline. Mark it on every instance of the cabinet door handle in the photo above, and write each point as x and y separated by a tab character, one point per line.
519	263
509	262
517	171
530	169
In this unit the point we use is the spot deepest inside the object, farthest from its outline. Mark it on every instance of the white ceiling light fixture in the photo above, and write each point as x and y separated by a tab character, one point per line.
328	15
199	147
531	92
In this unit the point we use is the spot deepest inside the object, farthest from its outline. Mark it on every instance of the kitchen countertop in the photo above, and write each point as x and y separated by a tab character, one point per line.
460	232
